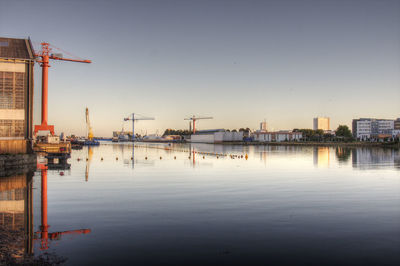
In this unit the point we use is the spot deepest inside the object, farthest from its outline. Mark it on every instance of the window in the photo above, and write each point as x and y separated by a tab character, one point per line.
12	96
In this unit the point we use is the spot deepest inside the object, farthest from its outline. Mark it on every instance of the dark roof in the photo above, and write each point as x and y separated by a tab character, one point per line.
208	131
11	48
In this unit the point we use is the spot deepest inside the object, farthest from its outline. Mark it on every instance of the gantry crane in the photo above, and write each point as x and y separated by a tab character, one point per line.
44	55
194	118
89	131
135	117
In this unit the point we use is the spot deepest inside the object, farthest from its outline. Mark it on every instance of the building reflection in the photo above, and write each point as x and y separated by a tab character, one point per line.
16	214
321	156
374	158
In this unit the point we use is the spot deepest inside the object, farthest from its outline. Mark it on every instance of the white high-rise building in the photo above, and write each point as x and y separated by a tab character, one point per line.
321	123
263	126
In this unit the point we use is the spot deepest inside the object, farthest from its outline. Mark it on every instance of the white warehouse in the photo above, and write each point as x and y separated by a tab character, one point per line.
216	136
277	136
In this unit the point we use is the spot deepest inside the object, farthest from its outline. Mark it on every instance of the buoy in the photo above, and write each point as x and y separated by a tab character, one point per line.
160	157
204	157
116	158
131	158
246	156
87	159
145	158
102	158
217	157
78	159
175	157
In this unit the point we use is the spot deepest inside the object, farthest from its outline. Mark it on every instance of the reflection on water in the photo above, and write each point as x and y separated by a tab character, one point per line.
367	158
43	233
160	204
343	154
16	216
321	156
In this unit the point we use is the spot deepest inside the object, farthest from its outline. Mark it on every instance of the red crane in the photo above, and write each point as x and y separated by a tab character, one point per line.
44	55
194	118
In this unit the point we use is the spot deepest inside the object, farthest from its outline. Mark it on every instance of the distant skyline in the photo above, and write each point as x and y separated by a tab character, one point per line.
238	61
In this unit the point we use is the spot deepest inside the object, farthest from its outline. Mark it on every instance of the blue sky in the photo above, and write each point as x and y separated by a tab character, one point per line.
238	61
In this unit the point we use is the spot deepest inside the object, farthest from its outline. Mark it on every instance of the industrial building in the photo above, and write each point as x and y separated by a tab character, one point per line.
371	128
16	95
321	123
278	136
216	136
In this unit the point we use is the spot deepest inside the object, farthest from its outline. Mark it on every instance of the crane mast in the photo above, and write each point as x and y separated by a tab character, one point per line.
89	131
44	56
134	118
194	119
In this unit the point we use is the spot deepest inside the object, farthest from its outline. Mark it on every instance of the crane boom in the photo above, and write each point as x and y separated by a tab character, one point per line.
70	60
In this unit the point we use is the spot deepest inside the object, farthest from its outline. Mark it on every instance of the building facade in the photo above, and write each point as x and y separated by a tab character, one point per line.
321	123
216	136
371	128
263	126
278	136
16	95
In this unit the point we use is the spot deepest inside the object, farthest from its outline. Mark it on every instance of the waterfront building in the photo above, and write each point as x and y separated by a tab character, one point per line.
321	123
263	126
396	128
396	124
216	136
371	128
16	95
277	136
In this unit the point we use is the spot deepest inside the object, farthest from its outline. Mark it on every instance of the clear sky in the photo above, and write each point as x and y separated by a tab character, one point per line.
238	61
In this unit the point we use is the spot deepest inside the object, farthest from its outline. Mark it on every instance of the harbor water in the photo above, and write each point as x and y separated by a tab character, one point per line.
182	204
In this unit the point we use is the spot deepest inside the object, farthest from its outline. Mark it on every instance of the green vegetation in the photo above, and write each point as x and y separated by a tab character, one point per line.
343	131
180	132
313	135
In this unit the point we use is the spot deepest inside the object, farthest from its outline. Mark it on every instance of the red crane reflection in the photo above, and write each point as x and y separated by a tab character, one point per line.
44	234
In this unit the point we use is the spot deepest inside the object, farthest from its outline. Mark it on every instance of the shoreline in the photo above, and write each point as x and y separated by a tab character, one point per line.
287	143
319	144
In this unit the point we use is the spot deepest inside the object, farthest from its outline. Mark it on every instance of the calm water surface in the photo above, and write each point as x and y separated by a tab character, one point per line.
280	206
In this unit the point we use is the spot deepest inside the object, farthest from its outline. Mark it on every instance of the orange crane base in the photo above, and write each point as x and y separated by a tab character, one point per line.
44	127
